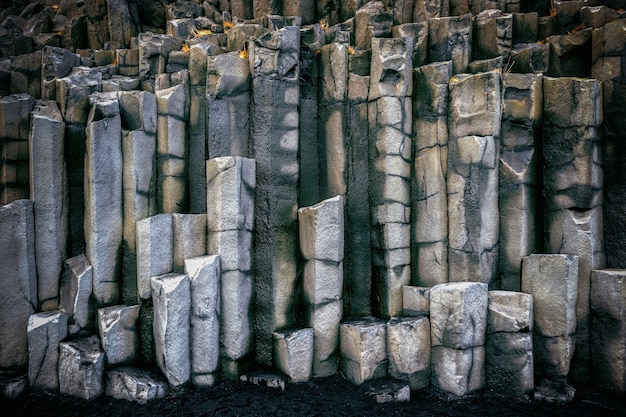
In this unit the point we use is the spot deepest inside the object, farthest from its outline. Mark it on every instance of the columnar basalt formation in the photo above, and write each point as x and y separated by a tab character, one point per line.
201	187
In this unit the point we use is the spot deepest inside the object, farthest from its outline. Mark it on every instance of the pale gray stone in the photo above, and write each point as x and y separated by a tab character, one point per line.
171	297
363	349
189	237
553	356
321	230
49	192
73	91
81	368
138	110
322	281
324	318
458	314
153	52
103	197
234	248
56	63
236	314
509	311
75	293
450	38
293	353
415	301
118	328
392	65
608	327
408	350
18	281
155	250
458	371
227	75
135	384
428	9
509	363
45	333
333	73
238	36
204	274
418	33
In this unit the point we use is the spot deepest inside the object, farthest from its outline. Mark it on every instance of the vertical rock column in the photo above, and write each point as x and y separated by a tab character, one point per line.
230	222
474	130
14	126
429	199
198	132
274	63
45	333
49	192
321	243
520	162
103	197
573	181
75	294
450	38
390	119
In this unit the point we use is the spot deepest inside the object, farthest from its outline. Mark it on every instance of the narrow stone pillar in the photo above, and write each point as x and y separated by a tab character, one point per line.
492	35
49	192
450	38
81	368
573	189
472	182
171	296
135	384
552	280
321	243
103	197
275	68
418	33
155	251
608	328
509	353
75	294
230	222
390	149
408	350
18	281
190	237
198	132
429	200
518	188
118	329
458	319
204	274
45	333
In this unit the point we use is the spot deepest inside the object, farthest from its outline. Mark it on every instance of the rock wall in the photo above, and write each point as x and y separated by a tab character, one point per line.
201	187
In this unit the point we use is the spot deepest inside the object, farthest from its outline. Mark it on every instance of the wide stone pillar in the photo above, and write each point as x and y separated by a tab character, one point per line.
573	190
275	68
429	200
49	192
390	119
472	182
103	197
518	187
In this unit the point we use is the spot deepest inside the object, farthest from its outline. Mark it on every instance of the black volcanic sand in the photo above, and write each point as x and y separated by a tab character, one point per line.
320	397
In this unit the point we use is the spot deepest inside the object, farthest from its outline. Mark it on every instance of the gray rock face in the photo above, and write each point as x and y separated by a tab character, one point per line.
363	345
293	353
415	301
81	368
45	333
608	308
450	38
189	237
18	281
171	296
408	350
458	371
510	312
321	230
134	384
75	293
204	275
48	179
153	52
118	328
492	35
418	33
155	251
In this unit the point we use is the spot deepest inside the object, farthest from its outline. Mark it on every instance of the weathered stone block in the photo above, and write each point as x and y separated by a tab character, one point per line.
293	353
155	251
322	281
553	356
363	349
509	363
134	384
415	301
153	52
510	312
81	368
234	248
236	315
450	38
392	64
75	293
481	116
322	230
45	333
408	350
189	237
458	371
458	314
118	328
324	318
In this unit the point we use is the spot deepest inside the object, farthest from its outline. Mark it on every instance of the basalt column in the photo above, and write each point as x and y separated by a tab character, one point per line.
573	191
474	129
274	63
429	200
522	108
390	119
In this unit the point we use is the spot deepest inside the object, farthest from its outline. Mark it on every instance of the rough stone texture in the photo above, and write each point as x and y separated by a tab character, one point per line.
389	391
171	297
458	371
608	328
274	64
429	201
190	237
408	350
118	328
415	301
510	312
75	293
321	230
153	52
204	274
293	353
135	384
81	368
155	251
103	197
492	35
418	33
573	178
450	38
363	349
12	383
45	333
518	194
472	182
458	314
18	281
552	280
324	318
49	192
427	9
509	363
570	54
391	68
